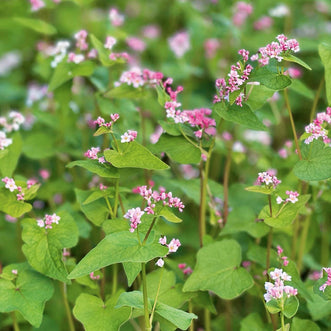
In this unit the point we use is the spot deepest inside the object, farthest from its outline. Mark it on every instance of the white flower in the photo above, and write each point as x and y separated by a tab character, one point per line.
160	263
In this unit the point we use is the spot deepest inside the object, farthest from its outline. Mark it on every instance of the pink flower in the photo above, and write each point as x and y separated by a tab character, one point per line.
10	184
110	42
292	196
180	43
163	240
134	215
211	46
94	277
160	263
242	11
128	136
36	4
136	44
263	23
115	17
174	245
80	37
151	31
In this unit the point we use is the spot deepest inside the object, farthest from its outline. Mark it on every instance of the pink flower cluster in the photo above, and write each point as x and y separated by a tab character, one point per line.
267	179
276	50
94	277
292	197
186	269
136	44
115	17
199	118
110	42
102	122
211	46
93	154
283	258
172	246
128	136
36	4
12	122
4	141
263	23
81	42
180	43
134	215
11	186
153	197
316	130
172	105
286	150
241	11
48	220
279	290
238	75
137	77
328	281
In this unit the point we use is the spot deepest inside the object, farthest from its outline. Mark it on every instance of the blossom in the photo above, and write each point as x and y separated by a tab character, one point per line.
10	184
241	11
94	277
174	245
263	23
180	43
36	4
160	262
4	141
128	136
136	44
267	179
292	196
211	46
76	58
48	220
80	37
110	42
328	281
115	17
134	215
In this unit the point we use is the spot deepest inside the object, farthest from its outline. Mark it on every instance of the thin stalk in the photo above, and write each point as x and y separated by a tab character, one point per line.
191	141
303	241
156	296
202	215
116	196
268	251
121	204
145	295
103	284
228	320
15	324
325	245
109	207
226	184
66	306
270	206
207	320
149	231
292	123
317	96
115	141
115	272
190	310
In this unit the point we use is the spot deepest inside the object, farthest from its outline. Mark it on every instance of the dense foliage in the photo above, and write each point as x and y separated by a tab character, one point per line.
165	165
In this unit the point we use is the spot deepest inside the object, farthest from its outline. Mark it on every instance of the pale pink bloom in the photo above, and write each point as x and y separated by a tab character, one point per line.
44	174
128	136
4	141
94	277
36	4
276	274
80	37
292	196
211	46
283	153
189	171
102	187
268	179
279	250
14	271
115	17
92	153
187	271
20	196
280	10
227	136
110	42
92	54
9	61
40	223
134	215
294	72
263	23
163	240
151	31
136	44
180	43
10	219
10	184
174	245
155	136
76	58
279	200
160	263
241	11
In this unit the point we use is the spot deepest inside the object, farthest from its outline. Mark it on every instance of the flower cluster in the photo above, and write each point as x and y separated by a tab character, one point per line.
94	277
137	77
93	154
180	43
136	44
316	130
172	246
128	136
292	197
211	46
152	197
286	150
101	121
263	23
115	17
279	290
48	220
238	75
276	50
10	184
186	269
12	122
36	4
328	281
134	215
267	179
241	11
284	259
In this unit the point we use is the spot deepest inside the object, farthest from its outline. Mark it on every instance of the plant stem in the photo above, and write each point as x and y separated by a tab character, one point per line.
317	95
66	306
268	251
270	206
103	284
282	321
116	196
109	208
303	241
226	185
292	123
115	141
207	320
114	285
156	296
202	209
190	310
146	313
149	231
15	324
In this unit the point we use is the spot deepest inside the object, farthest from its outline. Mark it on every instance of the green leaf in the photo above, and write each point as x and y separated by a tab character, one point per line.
291	306
301	324
9	160
131	270
316	163
260	189
179	318
292	58
253	322
175	147
299	87
66	71
101	169
324	51
169	215
40	145
270	79
96	211
103	53
102	130
134	156
258	96
170	128
10	205
127	92
43	247
162	95
3	153
218	270
98	194
27	294
241	115
120	247
273	306
96	315
287	215
36	25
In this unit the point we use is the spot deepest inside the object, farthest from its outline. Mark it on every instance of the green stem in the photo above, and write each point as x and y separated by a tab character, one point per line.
270	206
156	296
103	284
109	207
66	306
114	285
116	197
149	230
115	141
303	241
317	95
292	123
190	310
15	324
226	185
145	295
207	320
191	141
282	319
